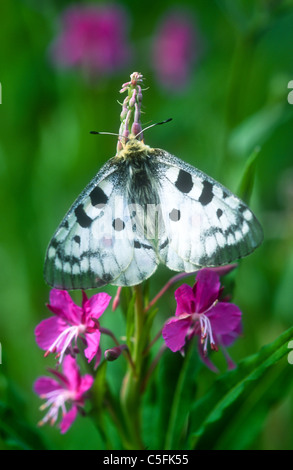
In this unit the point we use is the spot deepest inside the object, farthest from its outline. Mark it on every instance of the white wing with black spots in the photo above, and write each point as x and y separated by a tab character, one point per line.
146	207
206	224
96	243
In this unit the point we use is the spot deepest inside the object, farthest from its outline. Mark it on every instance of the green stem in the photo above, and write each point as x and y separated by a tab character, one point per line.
131	390
171	281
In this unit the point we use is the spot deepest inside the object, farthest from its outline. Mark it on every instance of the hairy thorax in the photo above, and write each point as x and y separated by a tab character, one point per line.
133	149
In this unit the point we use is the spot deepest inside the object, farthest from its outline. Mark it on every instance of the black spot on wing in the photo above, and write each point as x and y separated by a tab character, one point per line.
118	225
219	213
184	182
207	193
81	217
98	197
137	244
164	244
76	238
175	215
54	243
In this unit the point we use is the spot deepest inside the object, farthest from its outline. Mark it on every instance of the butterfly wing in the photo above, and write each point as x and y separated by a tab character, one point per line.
95	243
205	224
103	240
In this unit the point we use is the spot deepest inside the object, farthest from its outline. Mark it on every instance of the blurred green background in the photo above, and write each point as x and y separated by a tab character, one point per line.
235	99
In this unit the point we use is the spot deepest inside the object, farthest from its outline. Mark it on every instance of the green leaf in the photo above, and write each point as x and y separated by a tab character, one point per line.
130	322
257	129
98	392
125	298
168	373
16	433
183	398
241	396
99	387
176	392
247	181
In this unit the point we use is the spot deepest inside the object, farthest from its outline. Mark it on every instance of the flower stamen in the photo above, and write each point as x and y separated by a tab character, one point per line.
64	340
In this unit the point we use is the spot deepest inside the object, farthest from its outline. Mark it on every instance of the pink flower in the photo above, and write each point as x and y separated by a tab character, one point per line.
69	387
200	312
93	37
174	50
55	334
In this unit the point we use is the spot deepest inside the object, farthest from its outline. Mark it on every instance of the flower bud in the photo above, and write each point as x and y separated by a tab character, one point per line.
113	353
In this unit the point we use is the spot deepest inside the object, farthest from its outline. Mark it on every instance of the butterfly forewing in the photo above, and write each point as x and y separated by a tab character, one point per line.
206	224
97	242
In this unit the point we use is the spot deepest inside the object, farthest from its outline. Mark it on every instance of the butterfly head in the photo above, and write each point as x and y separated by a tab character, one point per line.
132	147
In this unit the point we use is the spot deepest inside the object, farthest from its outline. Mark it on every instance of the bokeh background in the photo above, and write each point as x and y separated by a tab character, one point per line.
220	69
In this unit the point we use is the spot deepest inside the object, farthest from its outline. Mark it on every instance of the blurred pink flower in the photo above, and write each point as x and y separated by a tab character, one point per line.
175	47
200	312
69	387
55	334
93	37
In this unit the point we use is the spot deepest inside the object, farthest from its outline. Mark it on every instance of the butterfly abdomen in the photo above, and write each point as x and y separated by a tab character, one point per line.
142	195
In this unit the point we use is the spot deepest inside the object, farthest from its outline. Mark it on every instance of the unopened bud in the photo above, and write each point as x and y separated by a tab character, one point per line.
113	353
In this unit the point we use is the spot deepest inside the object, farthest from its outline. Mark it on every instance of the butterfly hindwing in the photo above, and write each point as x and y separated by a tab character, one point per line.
206	224
95	243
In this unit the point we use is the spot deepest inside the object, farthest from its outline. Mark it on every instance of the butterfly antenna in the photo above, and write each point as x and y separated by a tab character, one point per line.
102	133
120	137
153	125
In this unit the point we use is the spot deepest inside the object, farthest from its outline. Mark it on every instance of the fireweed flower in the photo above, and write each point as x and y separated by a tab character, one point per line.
200	312
174	50
93	37
69	387
56	334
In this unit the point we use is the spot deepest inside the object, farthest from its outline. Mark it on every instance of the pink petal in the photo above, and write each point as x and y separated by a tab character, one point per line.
97	304
62	305
175	331
92	37
206	289
48	331
228	339
205	358
225	319
185	300
174	49
68	419
71	371
85	384
44	385
93	341
98	357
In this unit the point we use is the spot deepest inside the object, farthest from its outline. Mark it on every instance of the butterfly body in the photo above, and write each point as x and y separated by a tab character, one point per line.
146	207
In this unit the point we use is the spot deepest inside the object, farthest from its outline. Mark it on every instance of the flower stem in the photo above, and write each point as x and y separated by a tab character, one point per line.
131	389
125	353
172	281
152	367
